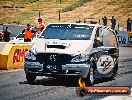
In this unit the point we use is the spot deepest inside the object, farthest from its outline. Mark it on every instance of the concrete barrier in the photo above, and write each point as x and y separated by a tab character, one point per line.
2	45
122	37
129	39
12	56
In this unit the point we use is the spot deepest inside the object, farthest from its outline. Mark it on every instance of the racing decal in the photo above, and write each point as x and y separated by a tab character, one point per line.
105	64
122	40
19	55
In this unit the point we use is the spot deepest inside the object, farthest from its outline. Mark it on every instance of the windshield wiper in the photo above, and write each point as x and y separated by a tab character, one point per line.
62	39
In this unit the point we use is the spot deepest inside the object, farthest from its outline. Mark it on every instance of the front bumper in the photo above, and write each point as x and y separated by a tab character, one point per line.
56	70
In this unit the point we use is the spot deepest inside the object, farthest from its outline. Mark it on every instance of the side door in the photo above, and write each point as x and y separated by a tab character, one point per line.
107	52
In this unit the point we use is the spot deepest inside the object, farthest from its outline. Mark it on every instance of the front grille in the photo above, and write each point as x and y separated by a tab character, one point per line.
34	69
53	58
56	46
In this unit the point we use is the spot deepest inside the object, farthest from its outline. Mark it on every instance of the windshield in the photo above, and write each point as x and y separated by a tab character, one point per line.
67	32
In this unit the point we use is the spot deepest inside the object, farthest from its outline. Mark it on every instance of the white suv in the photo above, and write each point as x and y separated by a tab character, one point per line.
73	49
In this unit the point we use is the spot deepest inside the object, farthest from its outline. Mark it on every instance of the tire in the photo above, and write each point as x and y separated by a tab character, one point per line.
30	78
89	80
114	73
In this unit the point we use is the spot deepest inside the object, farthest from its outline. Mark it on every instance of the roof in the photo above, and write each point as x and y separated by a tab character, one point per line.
77	24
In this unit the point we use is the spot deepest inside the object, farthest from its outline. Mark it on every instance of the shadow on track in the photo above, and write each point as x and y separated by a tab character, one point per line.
69	82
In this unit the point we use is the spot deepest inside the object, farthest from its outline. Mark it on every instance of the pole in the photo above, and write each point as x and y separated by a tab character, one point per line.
60	1
39	14
59	16
99	21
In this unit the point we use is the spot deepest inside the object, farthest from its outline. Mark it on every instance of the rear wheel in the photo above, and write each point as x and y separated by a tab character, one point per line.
30	78
114	73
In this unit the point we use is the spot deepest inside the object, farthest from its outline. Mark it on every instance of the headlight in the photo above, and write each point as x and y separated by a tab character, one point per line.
30	55
33	50
80	58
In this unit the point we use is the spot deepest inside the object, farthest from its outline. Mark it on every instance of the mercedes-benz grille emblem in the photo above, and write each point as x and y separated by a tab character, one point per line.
52	58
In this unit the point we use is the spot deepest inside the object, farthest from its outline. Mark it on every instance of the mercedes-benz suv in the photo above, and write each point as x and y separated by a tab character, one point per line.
73	49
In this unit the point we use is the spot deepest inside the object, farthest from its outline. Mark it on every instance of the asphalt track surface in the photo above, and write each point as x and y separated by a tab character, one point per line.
13	85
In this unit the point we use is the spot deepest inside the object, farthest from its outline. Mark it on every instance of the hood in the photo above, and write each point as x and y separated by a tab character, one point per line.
72	47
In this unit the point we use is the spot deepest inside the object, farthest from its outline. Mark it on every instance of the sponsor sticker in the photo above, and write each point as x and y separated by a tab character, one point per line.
104	90
105	64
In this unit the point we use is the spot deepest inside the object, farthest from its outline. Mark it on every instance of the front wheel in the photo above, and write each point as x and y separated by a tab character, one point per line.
89	80
30	78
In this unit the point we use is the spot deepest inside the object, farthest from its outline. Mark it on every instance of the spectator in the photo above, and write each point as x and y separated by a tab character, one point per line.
41	25
6	34
113	23
104	21
28	33
129	22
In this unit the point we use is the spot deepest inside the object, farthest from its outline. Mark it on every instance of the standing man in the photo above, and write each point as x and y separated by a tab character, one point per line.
28	33
113	23
104	21
6	34
129	25
40	28
41	25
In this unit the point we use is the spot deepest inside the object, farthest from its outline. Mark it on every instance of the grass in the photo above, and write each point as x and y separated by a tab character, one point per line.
24	15
25	11
75	5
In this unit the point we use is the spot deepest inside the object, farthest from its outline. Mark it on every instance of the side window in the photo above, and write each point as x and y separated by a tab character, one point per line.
98	42
109	38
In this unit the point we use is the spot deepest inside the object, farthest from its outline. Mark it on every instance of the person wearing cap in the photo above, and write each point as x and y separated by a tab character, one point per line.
28	33
41	24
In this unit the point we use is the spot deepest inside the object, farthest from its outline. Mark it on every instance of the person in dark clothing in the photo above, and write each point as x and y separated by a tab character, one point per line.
6	34
28	33
104	21
113	23
129	25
